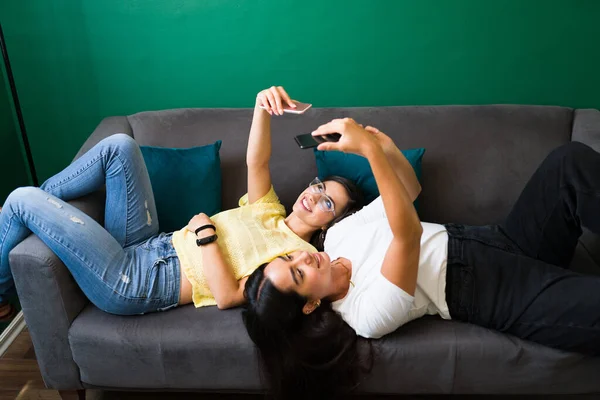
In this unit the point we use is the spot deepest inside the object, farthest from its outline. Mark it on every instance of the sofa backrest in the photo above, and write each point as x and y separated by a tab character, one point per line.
477	160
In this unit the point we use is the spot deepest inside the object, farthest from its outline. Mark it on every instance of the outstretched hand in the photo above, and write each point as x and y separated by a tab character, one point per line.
355	139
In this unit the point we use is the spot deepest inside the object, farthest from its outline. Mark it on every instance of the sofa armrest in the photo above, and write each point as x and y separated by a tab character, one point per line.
51	300
108	126
586	127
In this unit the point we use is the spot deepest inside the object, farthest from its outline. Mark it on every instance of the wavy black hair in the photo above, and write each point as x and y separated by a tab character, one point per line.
356	201
314	356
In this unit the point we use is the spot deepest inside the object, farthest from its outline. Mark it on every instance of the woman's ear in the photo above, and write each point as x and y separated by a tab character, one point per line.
311	306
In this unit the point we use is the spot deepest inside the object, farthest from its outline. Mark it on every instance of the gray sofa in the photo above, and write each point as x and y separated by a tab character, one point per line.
478	159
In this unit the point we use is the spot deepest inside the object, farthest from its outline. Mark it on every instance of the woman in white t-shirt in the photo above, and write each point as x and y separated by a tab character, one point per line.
382	267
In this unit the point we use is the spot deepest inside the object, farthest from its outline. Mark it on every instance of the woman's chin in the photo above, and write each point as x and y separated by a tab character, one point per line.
344	262
299	209
326	259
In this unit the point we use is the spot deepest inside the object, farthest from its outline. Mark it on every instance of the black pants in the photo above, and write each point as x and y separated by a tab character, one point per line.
514	277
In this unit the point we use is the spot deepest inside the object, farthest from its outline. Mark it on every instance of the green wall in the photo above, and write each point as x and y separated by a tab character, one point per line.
77	61
13	169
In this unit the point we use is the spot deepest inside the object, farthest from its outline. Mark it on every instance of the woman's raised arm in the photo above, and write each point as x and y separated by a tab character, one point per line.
401	262
259	142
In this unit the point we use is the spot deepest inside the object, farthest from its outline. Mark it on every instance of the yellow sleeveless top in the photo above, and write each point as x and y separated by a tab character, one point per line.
249	236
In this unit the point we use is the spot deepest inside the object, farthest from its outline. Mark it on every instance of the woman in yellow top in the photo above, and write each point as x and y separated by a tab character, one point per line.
127	267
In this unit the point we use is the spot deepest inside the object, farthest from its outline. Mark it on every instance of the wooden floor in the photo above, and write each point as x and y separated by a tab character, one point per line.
19	373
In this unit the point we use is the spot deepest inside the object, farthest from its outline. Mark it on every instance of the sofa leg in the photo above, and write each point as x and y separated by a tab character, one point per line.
72	394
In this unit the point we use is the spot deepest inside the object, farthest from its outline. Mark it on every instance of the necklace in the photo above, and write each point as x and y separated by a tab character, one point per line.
342	264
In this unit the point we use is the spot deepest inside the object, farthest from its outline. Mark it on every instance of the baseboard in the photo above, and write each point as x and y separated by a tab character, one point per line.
11	332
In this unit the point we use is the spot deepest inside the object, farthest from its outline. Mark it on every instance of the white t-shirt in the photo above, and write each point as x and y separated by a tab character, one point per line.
375	306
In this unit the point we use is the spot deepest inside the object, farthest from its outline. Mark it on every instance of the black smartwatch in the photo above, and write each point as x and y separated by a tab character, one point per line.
206	240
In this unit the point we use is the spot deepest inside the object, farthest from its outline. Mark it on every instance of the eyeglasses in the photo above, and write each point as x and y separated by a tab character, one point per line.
325	202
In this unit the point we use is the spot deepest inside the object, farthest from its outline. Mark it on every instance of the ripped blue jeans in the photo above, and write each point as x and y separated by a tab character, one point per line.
125	267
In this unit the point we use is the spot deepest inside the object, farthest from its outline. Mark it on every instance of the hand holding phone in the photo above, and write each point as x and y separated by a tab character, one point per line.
355	138
300	107
275	100
308	141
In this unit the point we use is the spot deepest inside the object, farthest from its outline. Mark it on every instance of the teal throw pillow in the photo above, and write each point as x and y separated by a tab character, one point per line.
185	182
357	168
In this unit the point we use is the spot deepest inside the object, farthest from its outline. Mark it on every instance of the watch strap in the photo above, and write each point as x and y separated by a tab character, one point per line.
205	227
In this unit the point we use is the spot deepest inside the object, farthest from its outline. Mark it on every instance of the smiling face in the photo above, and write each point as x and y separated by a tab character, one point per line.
307	274
307	208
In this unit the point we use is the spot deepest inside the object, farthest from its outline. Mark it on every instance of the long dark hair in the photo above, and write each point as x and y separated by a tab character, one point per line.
314	356
356	201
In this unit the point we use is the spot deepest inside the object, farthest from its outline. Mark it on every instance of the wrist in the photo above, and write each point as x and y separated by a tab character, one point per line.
205	230
206	233
391	150
373	150
260	111
204	241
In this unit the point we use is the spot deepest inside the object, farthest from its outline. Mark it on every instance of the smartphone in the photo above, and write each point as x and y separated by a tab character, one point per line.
300	108
308	141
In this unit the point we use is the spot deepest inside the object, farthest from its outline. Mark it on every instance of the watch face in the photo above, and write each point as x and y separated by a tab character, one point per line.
206	240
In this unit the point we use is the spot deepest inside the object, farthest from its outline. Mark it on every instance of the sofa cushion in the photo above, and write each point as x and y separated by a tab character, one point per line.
478	157
185	182
431	355
357	168
183	348
209	349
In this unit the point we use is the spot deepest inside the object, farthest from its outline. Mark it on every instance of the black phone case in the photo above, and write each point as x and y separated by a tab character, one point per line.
316	140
